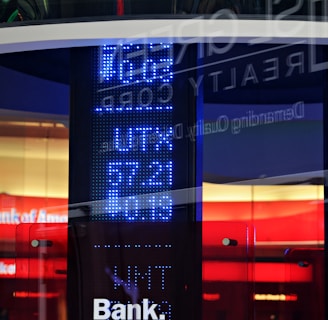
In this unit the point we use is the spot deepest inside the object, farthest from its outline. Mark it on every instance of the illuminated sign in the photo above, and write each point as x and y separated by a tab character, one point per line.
275	297
125	163
132	165
104	310
7	268
12	216
30	268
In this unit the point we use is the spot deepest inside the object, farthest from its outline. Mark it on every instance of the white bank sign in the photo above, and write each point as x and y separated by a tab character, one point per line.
104	309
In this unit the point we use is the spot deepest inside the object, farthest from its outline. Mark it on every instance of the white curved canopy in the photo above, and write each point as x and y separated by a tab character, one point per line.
76	34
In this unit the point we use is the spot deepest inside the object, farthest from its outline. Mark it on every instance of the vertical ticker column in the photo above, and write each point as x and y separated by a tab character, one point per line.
133	244
132	164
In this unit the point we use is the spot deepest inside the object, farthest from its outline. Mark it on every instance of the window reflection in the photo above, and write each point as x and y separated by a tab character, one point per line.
263	167
262	133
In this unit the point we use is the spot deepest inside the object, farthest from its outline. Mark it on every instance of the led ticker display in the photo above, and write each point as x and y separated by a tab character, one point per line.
132	244
132	164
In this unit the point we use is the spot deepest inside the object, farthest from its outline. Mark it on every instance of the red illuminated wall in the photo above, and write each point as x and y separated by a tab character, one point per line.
281	220
273	220
19	209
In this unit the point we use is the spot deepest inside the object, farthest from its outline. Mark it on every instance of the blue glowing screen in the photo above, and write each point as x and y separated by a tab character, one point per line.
132	162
